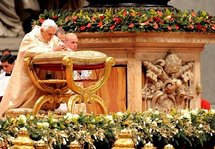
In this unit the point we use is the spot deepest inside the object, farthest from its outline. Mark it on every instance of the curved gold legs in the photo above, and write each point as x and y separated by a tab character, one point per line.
48	98
72	101
39	103
94	99
85	95
97	99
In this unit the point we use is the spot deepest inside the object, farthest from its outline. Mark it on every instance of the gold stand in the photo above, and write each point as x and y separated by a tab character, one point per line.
50	93
69	63
86	95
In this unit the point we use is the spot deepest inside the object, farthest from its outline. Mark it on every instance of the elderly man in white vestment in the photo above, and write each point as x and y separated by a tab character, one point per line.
21	92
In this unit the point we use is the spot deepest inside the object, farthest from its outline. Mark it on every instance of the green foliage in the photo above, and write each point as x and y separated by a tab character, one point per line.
131	20
185	128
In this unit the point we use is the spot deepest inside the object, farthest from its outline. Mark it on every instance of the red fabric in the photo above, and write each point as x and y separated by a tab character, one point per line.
205	104
60	67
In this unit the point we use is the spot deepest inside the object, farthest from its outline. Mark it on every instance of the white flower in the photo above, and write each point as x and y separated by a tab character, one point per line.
194	111
64	141
185	114
119	114
176	131
31	117
45	124
157	119
200	126
205	110
39	125
200	131
54	120
184	111
154	123
109	118
169	116
150	110
156	112
22	119
45	138
71	117
148	120
212	111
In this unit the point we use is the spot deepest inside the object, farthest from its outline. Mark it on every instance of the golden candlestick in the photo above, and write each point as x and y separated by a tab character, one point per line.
168	146
41	145
124	141
23	140
149	145
75	145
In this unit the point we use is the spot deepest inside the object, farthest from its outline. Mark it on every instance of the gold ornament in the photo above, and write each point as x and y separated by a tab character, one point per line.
41	145
149	146
75	145
23	140
124	141
168	146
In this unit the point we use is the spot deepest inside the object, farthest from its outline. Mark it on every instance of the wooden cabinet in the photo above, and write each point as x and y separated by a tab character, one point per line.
113	92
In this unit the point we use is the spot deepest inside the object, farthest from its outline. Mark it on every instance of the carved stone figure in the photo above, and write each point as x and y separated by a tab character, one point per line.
10	24
168	83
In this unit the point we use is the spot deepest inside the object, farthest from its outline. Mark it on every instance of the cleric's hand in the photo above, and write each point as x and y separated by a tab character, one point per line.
60	47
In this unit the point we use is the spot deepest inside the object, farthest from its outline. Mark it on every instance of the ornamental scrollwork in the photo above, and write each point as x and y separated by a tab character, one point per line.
168	83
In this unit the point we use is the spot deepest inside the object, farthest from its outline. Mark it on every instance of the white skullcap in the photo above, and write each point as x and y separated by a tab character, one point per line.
49	23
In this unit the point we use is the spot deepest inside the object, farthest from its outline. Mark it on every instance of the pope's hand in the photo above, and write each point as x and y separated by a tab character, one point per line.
60	47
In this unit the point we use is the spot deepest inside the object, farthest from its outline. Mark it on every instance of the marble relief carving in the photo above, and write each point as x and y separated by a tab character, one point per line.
168	83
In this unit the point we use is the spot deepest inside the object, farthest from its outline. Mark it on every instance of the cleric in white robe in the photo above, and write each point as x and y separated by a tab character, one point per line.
4	79
7	63
21	92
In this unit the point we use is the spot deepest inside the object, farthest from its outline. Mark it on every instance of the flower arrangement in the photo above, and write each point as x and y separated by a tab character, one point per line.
131	20
109	2
183	129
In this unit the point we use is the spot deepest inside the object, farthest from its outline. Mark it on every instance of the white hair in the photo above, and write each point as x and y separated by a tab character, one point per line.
70	35
48	24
